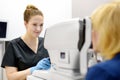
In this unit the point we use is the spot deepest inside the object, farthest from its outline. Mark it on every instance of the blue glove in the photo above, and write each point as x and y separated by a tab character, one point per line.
43	64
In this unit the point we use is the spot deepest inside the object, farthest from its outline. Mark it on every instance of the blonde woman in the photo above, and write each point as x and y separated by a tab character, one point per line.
106	40
27	53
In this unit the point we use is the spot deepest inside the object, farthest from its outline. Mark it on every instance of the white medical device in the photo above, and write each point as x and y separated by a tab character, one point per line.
67	43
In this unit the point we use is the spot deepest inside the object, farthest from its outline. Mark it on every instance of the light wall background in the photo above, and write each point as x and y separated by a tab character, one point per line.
82	8
12	12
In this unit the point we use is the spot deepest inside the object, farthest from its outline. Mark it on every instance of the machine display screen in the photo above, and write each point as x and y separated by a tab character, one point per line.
3	29
62	54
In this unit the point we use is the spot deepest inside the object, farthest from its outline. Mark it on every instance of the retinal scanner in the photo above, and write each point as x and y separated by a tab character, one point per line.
68	43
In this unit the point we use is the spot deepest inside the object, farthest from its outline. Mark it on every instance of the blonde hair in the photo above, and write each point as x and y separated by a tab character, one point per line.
30	11
106	21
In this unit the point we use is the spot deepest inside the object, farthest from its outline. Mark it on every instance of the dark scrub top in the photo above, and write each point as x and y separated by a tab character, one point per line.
108	70
19	55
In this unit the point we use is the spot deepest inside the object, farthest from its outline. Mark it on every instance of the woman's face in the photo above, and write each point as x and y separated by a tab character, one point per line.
34	26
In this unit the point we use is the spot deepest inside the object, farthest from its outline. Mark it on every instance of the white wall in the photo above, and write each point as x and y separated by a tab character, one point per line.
82	8
12	11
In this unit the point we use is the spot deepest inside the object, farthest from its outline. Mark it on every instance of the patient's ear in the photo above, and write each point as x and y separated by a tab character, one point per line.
94	39
25	23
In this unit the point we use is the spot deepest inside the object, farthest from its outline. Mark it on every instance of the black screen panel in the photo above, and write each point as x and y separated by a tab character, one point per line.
3	29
